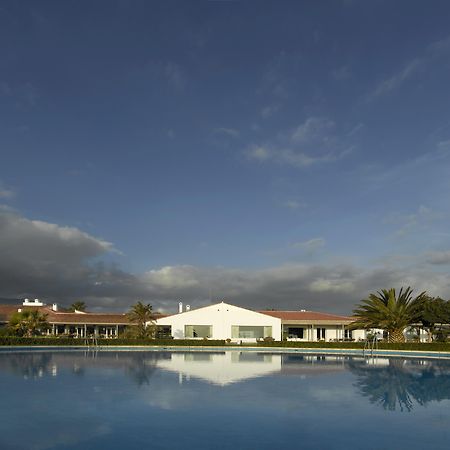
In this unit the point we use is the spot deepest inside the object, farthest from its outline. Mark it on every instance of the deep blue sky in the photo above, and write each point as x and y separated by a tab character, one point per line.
292	151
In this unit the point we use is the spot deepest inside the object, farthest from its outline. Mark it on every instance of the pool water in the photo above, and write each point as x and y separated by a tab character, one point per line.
221	400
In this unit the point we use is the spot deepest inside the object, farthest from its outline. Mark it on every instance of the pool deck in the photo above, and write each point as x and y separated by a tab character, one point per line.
287	350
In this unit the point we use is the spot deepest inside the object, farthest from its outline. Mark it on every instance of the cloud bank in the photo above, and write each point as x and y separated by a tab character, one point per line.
62	264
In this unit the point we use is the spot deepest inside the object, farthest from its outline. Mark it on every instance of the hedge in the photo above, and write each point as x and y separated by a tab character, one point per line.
65	341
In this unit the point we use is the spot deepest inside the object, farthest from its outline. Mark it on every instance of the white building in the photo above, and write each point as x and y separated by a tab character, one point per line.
316	326
225	321
222	321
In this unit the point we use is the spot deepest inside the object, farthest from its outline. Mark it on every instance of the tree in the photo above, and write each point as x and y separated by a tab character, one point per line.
142	316
79	306
434	311
389	312
28	323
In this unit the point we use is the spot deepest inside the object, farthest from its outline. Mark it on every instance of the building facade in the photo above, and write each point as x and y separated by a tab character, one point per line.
78	324
222	321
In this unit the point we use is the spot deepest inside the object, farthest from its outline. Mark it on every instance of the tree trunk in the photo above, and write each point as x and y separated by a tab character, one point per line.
396	336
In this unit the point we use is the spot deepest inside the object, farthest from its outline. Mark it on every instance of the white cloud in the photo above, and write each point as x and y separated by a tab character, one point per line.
397	79
341	73
7	193
312	130
332	285
408	223
175	75
439	257
294	204
433	52
231	132
172	277
313	142
443	147
166	72
259	153
269	111
311	245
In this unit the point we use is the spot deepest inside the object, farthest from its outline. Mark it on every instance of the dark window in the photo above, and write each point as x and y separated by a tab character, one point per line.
295	333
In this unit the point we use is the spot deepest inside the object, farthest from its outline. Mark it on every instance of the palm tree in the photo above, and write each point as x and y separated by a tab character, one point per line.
78	306
29	323
142	315
389	312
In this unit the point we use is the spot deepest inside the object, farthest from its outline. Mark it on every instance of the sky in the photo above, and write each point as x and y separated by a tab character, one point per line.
287	155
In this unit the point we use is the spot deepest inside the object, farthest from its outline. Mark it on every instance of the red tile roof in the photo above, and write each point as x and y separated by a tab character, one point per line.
60	317
307	316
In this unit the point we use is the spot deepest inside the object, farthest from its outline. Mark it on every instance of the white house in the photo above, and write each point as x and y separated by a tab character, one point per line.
222	321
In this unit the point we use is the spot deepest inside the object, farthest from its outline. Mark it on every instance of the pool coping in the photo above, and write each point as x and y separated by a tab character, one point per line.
182	348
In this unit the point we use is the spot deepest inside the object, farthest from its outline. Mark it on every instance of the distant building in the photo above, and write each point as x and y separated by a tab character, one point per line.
316	326
219	321
77	324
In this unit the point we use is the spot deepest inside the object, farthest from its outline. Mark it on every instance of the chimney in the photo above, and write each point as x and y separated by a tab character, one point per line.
188	307
55	307
180	307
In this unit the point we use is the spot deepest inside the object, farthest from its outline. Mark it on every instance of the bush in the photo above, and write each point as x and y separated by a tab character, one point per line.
65	341
81	342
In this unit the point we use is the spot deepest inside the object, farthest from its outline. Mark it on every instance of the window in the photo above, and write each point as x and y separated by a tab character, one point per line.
197	331
295	332
348	334
320	333
250	332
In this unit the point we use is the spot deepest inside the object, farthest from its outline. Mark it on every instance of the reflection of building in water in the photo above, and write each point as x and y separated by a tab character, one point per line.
32	365
222	368
219	368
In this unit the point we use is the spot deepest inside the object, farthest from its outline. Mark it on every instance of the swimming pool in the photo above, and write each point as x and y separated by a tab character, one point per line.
69	399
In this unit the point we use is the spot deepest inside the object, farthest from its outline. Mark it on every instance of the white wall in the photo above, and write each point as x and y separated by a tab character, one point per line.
221	317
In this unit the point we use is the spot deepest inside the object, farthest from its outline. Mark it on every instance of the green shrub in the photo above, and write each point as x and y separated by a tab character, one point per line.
68	341
64	341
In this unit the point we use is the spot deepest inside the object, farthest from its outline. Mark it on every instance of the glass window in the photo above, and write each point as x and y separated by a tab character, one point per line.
250	332
197	331
295	332
320	333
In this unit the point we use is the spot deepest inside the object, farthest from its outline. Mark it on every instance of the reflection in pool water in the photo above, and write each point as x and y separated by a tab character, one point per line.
204	400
